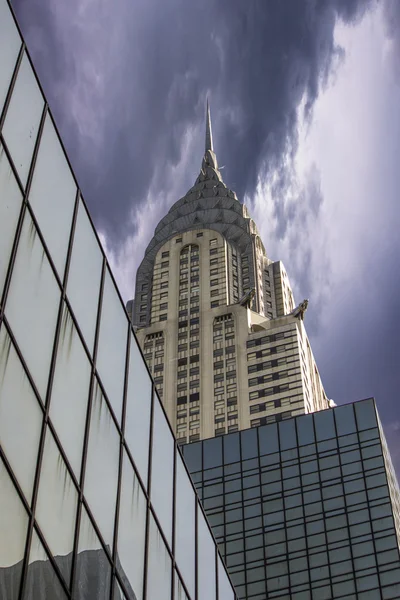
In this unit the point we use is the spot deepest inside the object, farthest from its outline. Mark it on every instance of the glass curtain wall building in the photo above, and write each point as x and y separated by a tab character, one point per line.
307	509
95	499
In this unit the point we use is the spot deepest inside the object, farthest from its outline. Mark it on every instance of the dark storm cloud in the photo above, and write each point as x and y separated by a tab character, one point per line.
257	59
392	19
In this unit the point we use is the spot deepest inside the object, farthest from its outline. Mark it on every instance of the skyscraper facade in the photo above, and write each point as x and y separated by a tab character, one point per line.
95	499
216	317
306	509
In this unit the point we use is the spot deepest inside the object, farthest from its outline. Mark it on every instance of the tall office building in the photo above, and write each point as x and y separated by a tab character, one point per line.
95	499
216	317
306	509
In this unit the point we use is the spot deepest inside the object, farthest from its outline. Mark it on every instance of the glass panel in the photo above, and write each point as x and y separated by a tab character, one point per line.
13	527
305	430
185	520
225	591
20	416
158	566
102	466
365	413
324	425
70	392
52	195
180	593
41	579
212	453
85	275
268	439
23	118
118	593
206	580
249	443
111	355
32	304
10	206
131	531
287	434
192	454
231	448
345	421
162	470
93	570
56	504
138	407
10	43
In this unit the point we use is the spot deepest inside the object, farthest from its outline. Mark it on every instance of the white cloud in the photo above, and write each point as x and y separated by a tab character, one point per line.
331	244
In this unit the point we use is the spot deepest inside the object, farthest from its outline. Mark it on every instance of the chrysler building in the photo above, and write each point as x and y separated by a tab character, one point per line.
216	317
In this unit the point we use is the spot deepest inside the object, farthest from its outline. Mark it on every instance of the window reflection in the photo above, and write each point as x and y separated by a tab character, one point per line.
33	323
52	195
41	579
162	470
93	570
131	531
101	477
20	416
56	504
10	206
23	118
13	530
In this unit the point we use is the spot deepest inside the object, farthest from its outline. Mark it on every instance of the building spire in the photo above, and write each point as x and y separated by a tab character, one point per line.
209	139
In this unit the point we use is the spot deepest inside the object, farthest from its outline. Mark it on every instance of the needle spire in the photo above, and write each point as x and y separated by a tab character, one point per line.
209	139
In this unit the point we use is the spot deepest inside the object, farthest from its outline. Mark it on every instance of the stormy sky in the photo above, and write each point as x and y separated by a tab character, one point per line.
305	99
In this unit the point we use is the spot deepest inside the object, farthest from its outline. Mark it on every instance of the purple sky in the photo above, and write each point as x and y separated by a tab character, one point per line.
305	100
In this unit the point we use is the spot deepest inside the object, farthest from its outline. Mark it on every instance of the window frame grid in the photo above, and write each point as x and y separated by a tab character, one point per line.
280	459
44	403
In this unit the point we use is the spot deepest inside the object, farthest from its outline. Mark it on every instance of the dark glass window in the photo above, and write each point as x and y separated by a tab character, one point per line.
212	456
249	443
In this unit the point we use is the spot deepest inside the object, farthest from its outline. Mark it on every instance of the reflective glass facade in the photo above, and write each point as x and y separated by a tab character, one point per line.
305	509
95	500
